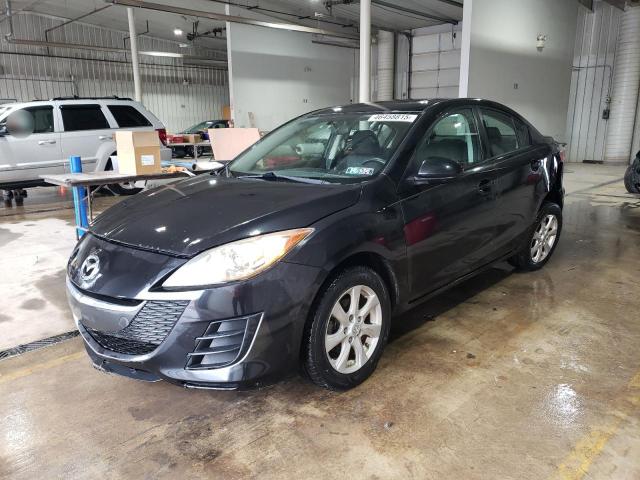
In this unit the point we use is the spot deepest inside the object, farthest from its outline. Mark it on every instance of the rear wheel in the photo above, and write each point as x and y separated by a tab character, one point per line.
124	188
348	330
542	239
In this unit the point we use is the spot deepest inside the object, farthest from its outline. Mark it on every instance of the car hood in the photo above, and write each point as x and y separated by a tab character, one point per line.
192	215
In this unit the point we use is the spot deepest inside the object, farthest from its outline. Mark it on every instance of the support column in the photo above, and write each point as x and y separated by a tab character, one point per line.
624	96
133	41
386	54
365	51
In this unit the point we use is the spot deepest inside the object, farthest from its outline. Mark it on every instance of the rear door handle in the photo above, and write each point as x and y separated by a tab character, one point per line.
104	137
535	164
484	187
46	142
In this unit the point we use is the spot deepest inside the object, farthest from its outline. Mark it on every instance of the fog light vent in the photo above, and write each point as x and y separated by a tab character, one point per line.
223	342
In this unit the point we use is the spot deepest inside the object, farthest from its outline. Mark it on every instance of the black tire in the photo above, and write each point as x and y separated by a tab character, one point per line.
315	359
118	189
523	260
629	179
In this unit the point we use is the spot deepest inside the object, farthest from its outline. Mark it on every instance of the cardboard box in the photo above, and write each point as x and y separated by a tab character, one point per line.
192	138
138	152
227	143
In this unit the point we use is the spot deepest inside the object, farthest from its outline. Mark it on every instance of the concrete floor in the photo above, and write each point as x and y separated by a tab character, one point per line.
508	376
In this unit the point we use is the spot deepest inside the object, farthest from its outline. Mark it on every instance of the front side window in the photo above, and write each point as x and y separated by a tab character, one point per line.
342	148
42	119
454	137
83	117
128	117
501	132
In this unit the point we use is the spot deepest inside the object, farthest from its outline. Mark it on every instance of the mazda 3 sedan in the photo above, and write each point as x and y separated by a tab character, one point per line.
300	252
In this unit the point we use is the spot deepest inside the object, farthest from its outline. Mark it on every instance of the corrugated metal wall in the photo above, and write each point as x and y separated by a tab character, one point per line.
595	47
435	62
180	95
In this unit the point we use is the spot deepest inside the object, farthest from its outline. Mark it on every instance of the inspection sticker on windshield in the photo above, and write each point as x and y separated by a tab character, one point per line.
392	117
359	171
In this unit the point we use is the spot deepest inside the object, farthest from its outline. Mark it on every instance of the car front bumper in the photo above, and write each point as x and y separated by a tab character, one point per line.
233	336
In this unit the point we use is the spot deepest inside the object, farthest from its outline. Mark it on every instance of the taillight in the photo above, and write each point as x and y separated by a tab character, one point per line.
162	133
563	155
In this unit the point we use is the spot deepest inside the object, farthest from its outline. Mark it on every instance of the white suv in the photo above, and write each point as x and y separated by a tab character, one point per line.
70	126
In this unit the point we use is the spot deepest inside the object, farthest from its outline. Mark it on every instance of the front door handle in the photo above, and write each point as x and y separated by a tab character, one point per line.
46	142
104	137
484	187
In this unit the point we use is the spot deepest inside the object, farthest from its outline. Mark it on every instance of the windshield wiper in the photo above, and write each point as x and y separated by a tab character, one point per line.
272	177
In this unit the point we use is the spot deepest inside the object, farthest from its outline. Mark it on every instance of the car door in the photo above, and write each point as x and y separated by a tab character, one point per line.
519	174
448	226
25	158
86	131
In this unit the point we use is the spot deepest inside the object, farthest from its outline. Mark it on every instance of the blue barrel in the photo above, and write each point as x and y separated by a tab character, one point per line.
80	201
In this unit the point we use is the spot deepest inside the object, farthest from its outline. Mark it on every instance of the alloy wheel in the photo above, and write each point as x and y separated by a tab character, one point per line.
353	330
544	238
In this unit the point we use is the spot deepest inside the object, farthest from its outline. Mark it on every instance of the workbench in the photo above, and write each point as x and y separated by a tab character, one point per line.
99	179
195	147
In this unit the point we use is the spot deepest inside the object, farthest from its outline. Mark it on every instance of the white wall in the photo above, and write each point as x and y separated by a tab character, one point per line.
276	75
503	53
435	62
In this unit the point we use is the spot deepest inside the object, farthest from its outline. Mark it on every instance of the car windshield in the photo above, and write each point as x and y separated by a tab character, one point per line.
199	127
341	148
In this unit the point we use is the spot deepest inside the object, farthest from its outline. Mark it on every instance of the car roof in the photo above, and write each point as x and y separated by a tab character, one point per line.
414	106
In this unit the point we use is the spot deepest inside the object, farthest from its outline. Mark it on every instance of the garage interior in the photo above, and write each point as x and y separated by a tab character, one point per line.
503	376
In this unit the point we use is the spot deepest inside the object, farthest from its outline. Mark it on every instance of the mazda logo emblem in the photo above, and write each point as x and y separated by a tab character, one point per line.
90	268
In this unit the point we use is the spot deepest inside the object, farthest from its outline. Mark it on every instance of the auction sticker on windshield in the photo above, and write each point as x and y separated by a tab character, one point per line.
392	117
359	171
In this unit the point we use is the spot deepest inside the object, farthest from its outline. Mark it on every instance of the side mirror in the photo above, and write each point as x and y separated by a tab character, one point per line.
3	130
436	170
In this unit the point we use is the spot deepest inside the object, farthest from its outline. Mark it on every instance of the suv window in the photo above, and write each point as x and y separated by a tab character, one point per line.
83	117
127	116
501	132
42	118
454	137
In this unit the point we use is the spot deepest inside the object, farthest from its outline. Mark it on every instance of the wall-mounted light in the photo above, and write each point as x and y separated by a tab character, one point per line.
177	32
540	41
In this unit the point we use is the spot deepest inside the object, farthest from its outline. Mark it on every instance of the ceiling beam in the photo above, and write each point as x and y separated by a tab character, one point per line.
393	6
230	18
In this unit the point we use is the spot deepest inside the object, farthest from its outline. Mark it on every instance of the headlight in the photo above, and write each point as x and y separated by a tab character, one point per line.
237	260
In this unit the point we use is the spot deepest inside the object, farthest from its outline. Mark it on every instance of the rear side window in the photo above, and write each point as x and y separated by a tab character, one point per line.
127	116
501	132
524	136
42	119
83	117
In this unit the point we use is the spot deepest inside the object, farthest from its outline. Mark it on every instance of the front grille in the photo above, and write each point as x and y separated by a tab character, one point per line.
146	331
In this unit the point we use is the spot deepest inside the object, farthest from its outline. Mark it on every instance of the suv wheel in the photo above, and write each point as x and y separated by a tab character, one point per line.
542	239
125	188
348	330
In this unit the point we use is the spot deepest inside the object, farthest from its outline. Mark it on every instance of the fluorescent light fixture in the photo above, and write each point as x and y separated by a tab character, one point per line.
161	54
177	32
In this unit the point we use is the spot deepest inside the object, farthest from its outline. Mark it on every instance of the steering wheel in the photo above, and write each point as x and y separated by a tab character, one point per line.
375	161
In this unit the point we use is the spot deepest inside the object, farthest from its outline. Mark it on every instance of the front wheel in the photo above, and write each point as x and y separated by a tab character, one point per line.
348	330
632	177
542	239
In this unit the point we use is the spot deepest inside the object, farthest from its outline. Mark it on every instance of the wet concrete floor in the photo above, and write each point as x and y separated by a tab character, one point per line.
508	376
